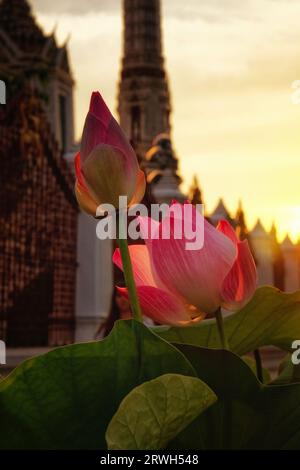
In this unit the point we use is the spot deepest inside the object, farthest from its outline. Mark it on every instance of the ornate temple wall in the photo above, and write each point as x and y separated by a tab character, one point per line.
38	219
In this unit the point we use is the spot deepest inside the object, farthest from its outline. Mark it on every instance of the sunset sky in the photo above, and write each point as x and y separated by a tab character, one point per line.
231	66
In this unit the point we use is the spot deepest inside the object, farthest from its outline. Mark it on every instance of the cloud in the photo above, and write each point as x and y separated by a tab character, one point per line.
76	7
231	64
209	10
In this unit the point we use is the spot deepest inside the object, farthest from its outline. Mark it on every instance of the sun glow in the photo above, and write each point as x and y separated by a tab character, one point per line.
291	216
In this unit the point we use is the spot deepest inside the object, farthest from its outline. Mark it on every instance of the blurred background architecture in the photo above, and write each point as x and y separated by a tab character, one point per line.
45	242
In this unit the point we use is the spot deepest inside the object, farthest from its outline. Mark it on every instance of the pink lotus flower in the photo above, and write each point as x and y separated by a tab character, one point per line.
241	281
106	166
176	286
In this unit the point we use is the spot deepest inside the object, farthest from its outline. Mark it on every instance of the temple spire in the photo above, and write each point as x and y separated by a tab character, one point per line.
142	34
242	230
195	193
144	99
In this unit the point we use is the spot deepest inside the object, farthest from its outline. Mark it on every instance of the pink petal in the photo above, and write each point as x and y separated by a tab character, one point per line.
161	306
173	202
94	133
99	109
241	282
149	229
101	128
96	125
140	264
197	275
225	227
78	172
116	137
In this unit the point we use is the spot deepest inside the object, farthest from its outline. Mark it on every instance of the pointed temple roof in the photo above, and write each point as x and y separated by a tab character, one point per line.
273	233
17	21
220	212
21	38
240	209
259	230
195	193
287	243
274	229
242	229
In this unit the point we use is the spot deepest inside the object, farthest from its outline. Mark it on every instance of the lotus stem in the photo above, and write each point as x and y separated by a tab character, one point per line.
128	271
221	330
258	362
